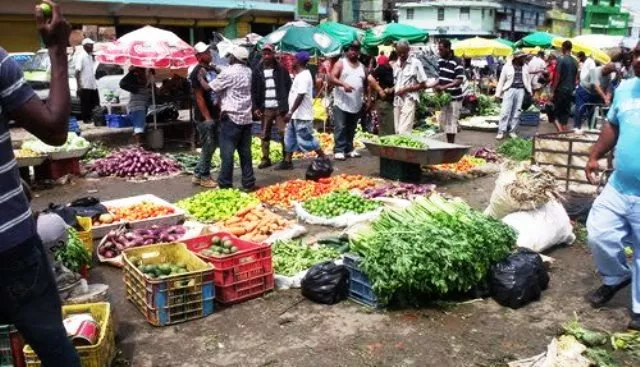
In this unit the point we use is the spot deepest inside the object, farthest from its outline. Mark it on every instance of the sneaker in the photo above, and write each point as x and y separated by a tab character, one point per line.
354	154
264	164
339	157
634	324
605	293
284	166
195	180
513	135
500	136
208	183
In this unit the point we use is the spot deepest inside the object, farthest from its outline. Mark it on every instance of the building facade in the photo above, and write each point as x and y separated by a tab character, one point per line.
605	17
560	23
518	18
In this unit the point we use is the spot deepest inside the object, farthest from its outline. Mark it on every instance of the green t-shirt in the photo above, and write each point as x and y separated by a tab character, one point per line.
567	72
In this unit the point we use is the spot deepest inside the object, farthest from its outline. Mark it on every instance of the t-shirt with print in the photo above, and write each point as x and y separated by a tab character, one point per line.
16	220
302	84
625	114
270	98
567	71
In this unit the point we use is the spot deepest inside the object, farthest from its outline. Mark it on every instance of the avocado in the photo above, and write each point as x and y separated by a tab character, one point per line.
227	243
215	241
233	249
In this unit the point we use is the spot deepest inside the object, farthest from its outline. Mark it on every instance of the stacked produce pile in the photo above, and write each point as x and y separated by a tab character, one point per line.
487	106
121	239
402	141
433	247
338	203
188	161
254	224
518	149
399	190
97	151
216	205
349	182
285	193
465	164
161	270
139	211
74	142
135	163
219	247
292	257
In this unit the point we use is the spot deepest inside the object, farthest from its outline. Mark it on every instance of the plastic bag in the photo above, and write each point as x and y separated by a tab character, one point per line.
319	109
341	221
518	279
319	168
289	233
326	283
294	281
542	228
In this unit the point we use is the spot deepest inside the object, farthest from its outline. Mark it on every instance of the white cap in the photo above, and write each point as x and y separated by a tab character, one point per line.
87	41
240	53
201	47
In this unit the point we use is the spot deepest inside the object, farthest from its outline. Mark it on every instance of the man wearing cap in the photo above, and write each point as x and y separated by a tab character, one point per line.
299	131
514	82
270	89
206	113
233	84
86	79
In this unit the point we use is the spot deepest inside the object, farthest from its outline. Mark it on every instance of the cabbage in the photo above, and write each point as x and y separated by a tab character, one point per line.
74	142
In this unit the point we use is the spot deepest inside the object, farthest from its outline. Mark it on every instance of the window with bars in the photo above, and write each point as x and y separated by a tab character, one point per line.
465	13
410	13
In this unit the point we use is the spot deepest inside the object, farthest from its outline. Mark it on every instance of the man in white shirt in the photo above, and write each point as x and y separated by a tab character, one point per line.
410	79
536	68
298	135
86	79
586	65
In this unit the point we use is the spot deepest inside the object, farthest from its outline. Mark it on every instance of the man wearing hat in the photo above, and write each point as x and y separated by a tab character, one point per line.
514	82
86	79
233	85
270	89
206	113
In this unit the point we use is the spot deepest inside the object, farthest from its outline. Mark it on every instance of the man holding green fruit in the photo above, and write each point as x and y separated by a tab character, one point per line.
28	289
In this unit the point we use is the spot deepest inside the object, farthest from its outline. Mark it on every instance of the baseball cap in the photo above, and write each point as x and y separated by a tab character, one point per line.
87	41
201	47
268	46
240	53
302	56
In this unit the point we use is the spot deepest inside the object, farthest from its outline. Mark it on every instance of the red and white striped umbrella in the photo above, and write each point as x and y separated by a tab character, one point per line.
149	47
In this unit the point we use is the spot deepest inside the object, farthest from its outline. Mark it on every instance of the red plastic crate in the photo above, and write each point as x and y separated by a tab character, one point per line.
54	169
245	290
252	260
11	344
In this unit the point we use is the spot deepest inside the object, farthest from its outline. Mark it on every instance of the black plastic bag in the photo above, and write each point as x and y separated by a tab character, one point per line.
326	283
320	168
518	279
527	101
165	112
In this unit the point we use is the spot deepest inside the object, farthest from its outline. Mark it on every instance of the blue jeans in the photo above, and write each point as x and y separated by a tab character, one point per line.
139	120
298	137
344	130
511	109
31	302
209	132
614	222
582	98
235	137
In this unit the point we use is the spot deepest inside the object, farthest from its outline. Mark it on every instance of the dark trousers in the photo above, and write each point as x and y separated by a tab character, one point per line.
583	97
89	99
209	137
235	137
31	302
344	130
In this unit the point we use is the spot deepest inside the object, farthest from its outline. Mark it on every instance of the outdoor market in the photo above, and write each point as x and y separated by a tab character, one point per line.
329	195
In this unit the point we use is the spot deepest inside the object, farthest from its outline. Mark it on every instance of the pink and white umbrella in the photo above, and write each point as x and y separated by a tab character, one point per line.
149	47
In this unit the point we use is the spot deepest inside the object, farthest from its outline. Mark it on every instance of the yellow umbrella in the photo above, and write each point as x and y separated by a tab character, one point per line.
578	46
479	47
531	50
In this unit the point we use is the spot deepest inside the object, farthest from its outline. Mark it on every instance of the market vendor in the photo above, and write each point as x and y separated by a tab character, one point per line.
138	83
233	84
614	220
381	81
451	76
563	86
514	82
409	79
594	88
270	90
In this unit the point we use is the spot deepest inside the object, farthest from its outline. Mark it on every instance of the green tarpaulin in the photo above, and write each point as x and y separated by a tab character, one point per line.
301	36
343	33
392	32
537	39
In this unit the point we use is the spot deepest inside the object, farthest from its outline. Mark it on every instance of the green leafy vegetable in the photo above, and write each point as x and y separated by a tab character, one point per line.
487	106
74	255
338	203
292	257
518	149
402	141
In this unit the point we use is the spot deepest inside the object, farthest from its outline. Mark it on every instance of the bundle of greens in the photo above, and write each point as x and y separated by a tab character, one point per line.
433	247
402	141
517	149
292	257
487	106
74	256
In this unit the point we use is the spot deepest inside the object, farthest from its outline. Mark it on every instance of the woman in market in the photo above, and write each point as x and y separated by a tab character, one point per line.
514	82
138	83
381	81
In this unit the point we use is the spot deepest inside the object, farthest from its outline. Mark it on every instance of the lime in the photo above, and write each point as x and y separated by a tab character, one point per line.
46	10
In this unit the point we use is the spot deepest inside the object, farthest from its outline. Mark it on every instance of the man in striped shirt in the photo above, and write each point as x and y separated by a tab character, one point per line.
28	289
451	76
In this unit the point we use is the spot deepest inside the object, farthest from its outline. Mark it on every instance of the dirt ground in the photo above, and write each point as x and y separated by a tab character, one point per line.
284	329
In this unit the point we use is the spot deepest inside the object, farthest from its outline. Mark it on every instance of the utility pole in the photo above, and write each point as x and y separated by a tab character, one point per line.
579	15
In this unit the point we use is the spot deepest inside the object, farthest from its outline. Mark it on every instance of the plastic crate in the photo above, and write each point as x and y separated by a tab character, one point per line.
11	345
245	290
360	289
99	355
251	261
85	235
118	121
54	169
172	299
73	125
529	118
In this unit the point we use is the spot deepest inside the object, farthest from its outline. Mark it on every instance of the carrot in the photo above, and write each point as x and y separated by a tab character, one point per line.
244	211
251	217
237	231
251	226
232	220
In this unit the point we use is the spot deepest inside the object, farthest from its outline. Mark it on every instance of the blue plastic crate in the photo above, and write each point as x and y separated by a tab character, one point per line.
360	289
179	306
529	118
118	121
73	125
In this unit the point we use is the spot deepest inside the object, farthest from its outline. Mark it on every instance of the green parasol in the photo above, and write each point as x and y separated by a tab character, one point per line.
506	42
537	39
343	33
392	32
301	36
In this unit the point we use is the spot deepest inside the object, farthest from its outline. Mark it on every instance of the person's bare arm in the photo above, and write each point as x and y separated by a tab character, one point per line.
606	142
374	85
50	121
334	77
202	104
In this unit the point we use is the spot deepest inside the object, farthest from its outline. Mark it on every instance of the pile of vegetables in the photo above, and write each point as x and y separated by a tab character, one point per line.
465	164
402	141
326	144
254	224
121	239
487	154
275	153
399	190
338	203
162	270
215	205
139	211
434	100
487	106
74	142
348	182
135	162
219	247
292	257
26	153
518	149
433	247
285	193
188	161
74	256
97	151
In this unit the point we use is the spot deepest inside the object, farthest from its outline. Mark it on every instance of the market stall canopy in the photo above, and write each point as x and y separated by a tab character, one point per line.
506	42
343	33
302	36
149	47
480	47
539	39
597	54
392	32
601	41
250	39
